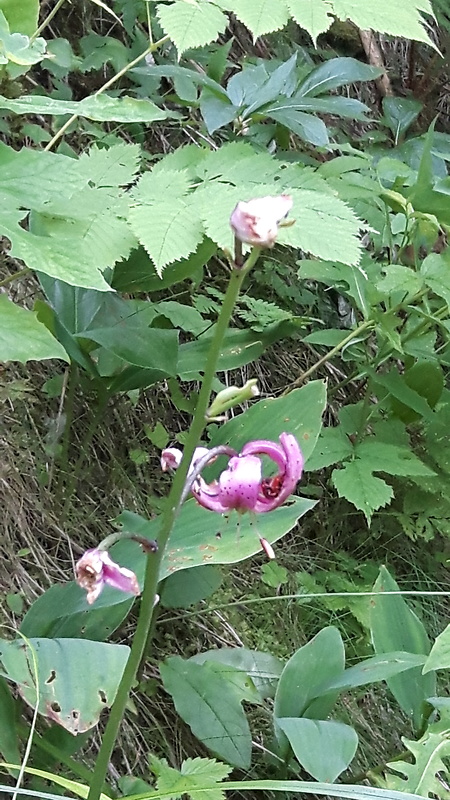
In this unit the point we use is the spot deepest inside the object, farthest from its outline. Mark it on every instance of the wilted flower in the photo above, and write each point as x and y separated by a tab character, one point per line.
257	221
96	568
171	458
241	485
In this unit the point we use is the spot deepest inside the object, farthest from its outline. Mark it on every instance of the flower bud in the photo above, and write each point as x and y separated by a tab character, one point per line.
257	221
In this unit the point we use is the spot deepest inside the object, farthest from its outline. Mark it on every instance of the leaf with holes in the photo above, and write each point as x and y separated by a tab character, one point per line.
68	693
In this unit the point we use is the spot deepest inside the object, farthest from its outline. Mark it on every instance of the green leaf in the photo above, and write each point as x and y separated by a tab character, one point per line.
397	386
206	773
23	338
356	483
259	16
310	129
394	625
332	446
400	113
18	48
337	72
189	586
263	668
67	694
400	279
314	17
299	412
62	611
239	347
373	670
428	774
325	227
149	348
174	233
439	657
435	271
100	108
320	660
191	24
324	748
211	705
407	21
347	791
390	458
9	740
23	16
137	273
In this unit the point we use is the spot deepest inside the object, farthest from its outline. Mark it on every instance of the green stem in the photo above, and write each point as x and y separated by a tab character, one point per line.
144	623
150	49
46	21
14	276
298	382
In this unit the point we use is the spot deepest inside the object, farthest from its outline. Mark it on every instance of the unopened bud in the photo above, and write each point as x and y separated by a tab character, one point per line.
232	396
268	549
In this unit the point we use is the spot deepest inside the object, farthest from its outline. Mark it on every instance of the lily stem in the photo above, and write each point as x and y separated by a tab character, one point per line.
146	612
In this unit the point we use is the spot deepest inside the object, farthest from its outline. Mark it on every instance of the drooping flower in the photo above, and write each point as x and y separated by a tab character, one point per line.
171	458
96	568
241	485
257	221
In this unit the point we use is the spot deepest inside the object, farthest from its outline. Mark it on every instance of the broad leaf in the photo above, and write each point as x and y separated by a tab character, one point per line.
23	338
324	748
263	668
299	412
439	657
23	16
373	670
9	739
320	660
335	73
210	702
189	586
407	21
66	694
394	625
174	233
100	108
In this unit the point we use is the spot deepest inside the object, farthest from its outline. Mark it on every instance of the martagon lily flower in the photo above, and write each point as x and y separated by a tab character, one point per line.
241	485
96	568
257	221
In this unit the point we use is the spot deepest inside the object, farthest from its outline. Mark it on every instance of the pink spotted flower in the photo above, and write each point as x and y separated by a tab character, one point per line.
241	486
95	569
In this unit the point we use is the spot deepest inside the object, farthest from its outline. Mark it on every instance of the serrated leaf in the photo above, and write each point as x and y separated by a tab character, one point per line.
324	226
356	483
435	271
110	166
100	108
332	446
312	15
259	16
428	774
206	773
164	183
23	338
169	231
407	21
191	24
390	458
